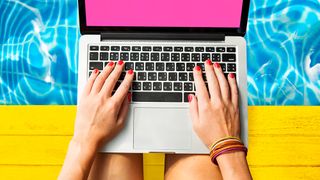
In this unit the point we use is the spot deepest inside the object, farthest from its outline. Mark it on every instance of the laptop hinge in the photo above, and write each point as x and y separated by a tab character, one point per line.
163	36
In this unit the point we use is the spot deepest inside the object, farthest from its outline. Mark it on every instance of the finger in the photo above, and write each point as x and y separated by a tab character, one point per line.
201	89
92	78
213	83
124	87
224	86
102	77
234	89
193	107
123	112
112	79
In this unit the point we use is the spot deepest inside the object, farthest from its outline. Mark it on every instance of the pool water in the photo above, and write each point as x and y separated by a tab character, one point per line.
39	52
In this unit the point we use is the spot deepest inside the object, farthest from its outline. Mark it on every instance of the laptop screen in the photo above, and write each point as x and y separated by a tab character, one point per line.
164	13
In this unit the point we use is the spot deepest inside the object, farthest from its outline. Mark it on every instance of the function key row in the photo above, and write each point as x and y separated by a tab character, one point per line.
165	48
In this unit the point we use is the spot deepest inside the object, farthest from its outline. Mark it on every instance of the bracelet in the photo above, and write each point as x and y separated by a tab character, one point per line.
214	158
223	139
213	153
226	142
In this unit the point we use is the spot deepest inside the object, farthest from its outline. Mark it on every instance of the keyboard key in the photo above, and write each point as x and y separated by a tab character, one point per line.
96	65
104	48
173	76
144	57
93	56
201	66
139	66
152	76
116	86
190	66
231	49
157	48
149	66
125	48
204	76
191	78
122	76
157	86
104	56
156	97
231	67
94	48
155	56
115	48
178	49
175	57
142	76
180	67
134	56
186	96
136	48
209	49
165	57
177	86
183	77
223	66
159	66
146	48
128	66
199	49
147	86
216	57
136	85
170	67
188	49
167	86
162	76
114	56
124	56
187	86
205	56
195	57
185	57
167	49
228	57
221	49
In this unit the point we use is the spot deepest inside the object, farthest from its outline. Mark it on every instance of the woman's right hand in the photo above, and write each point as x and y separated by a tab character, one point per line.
215	113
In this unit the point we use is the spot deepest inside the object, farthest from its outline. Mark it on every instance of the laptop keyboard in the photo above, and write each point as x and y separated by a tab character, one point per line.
162	73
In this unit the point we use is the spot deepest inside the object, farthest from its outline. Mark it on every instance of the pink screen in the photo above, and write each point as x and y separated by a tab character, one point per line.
164	13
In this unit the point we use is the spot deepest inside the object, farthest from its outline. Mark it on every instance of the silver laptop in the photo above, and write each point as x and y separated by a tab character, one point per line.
162	41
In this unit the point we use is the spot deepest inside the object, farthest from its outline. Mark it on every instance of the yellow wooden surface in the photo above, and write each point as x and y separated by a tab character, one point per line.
284	142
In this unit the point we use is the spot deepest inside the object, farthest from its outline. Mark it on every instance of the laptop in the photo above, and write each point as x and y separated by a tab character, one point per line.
162	41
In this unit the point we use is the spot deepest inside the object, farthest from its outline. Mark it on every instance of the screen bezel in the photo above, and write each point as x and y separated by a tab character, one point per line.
84	29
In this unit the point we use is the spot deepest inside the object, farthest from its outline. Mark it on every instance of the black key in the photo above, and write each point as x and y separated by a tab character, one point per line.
191	78
147	86
104	56
175	57
152	76
116	86
231	49
188	49
201	66
139	66
157	48
124	56
167	49
104	48
199	49
96	65
146	48
180	67
221	49
178	49
177	86
190	66
149	66
165	57
205	56
156	97
172	76
209	49
183	77
94	48
167	86
115	48
204	76
195	57
136	86
144	56
159	66
134	56
228	57
142	76
136	48
94	56
186	96
185	57
231	67
125	48
122	76
155	56
114	56
187	86
128	66
162	76
170	67
157	86
90	72
223	66
216	57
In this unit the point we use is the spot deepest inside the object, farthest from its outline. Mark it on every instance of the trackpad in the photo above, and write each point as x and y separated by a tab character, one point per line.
162	128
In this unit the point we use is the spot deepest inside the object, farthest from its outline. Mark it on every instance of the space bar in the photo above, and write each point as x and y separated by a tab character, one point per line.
156	97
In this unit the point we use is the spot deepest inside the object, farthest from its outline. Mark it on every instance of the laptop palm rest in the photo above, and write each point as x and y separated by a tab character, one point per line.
158	129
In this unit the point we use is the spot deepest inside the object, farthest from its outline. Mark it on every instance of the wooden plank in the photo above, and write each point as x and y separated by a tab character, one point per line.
283	173
29	172
153	159
153	172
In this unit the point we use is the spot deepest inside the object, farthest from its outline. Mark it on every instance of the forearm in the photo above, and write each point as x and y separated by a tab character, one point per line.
234	166
78	162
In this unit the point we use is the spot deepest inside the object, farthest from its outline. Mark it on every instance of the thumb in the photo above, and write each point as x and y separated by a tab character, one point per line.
193	107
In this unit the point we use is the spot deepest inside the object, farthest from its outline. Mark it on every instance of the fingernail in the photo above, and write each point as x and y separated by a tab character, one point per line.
130	71
96	71
231	75
189	97
120	62
209	62
217	65
129	97
198	68
110	63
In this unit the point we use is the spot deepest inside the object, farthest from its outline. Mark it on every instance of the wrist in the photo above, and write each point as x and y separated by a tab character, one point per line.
83	146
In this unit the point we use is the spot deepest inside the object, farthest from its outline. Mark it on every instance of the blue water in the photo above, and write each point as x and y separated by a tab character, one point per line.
39	52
